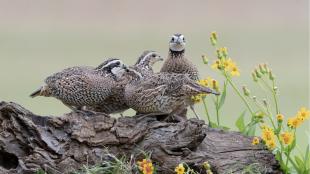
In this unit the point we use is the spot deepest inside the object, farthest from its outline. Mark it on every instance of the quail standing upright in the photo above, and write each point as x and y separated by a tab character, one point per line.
82	85
178	63
161	93
116	103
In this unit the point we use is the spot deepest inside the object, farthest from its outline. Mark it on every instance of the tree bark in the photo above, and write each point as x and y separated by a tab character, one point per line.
63	144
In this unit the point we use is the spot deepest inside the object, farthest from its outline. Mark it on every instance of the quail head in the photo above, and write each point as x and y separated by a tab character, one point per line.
145	62
116	103
83	86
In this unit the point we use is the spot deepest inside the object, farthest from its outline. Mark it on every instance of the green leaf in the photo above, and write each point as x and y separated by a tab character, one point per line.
299	162
240	122
307	158
223	96
251	131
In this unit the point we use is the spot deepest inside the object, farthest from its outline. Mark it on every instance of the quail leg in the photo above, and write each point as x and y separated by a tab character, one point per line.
193	109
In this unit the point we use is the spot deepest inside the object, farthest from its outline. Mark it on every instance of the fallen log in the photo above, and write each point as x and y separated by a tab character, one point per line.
63	144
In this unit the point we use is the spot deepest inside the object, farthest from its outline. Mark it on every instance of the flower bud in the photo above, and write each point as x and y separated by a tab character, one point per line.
206	165
262	69
266	67
213	41
257	73
224	51
246	91
275	89
254	77
219	54
271	76
205	59
214	35
280	118
260	115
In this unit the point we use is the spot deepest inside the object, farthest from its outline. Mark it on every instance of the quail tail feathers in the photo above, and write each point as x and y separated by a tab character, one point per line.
201	89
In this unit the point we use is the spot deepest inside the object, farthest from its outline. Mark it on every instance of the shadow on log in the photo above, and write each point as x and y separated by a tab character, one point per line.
63	144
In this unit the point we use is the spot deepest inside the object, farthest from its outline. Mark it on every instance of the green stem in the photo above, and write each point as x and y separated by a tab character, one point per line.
266	84
217	111
206	109
239	94
292	162
274	94
289	150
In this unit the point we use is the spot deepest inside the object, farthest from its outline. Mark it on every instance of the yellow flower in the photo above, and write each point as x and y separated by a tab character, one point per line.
304	113
287	138
268	134
216	65
271	144
196	98
227	64
235	71
294	122
255	141
180	169
280	117
146	166
203	82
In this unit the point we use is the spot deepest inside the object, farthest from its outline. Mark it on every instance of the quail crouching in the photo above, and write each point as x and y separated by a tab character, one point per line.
83	85
161	93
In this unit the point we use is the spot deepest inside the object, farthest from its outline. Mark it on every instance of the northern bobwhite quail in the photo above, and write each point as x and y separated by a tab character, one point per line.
116	103
161	93
178	63
83	85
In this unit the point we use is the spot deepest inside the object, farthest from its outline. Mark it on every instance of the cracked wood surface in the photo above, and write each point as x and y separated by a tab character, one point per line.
63	144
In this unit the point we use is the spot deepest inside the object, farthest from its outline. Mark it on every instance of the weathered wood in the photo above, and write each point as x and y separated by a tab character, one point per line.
63	144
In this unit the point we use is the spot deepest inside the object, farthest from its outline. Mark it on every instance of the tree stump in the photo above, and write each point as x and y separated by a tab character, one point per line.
63	144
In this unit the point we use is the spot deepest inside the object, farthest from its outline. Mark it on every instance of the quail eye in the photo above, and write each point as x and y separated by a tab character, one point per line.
153	55
172	39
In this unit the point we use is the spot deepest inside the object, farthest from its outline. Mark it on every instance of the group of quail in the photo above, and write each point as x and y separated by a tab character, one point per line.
113	87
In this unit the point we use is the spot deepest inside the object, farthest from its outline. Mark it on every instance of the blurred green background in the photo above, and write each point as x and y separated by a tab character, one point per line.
38	38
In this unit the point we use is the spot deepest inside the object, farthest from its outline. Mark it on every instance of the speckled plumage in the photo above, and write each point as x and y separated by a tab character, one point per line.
161	92
116	103
176	61
81	85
